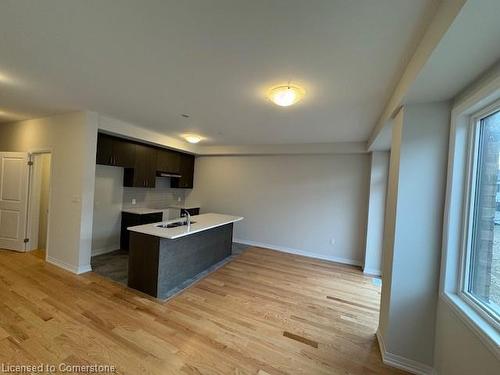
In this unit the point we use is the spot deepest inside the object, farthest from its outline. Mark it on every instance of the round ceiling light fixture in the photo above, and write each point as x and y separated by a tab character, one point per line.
192	138
286	95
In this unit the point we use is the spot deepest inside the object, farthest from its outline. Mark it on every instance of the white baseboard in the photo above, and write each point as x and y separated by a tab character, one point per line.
105	250
289	250
372	271
402	363
69	267
84	269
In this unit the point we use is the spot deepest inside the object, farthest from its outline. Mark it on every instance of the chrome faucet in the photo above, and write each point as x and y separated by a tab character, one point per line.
188	218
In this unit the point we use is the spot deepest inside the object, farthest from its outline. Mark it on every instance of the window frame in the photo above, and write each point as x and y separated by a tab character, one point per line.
474	135
476	98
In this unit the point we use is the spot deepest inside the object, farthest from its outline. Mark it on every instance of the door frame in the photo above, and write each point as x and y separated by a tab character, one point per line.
31	192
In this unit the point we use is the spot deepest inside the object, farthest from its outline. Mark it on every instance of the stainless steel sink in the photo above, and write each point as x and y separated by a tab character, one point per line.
174	224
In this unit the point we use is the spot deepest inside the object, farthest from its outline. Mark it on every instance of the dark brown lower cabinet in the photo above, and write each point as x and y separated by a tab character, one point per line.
192	211
131	220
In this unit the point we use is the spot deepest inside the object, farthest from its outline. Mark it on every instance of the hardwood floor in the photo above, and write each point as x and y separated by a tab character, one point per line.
263	313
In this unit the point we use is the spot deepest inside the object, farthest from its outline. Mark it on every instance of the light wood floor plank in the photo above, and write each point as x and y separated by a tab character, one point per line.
265	313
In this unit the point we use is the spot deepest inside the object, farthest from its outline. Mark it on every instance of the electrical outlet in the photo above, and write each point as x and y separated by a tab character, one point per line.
134	202
332	241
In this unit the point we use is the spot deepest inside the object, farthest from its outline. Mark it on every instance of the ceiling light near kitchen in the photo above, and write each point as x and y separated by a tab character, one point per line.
191	138
286	95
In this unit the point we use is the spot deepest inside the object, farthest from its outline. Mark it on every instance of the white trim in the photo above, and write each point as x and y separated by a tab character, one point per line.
84	269
372	271
69	267
400	362
48	150
309	254
470	201
105	250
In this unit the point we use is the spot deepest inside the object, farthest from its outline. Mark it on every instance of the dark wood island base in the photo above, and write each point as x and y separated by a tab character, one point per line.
159	265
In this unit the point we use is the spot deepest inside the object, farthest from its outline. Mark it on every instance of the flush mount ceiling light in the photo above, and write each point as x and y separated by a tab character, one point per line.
286	95
192	138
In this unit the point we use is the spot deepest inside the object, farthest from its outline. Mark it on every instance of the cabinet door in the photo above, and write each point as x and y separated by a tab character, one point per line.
150	172
128	220
168	161
104	149
152	218
145	167
123	153
139	179
187	173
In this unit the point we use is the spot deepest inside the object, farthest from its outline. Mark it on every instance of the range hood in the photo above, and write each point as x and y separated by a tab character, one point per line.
167	174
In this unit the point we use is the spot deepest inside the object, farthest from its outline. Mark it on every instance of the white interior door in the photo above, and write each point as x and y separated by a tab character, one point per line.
14	177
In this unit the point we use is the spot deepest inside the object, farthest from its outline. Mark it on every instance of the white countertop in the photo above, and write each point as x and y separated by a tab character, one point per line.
202	222
181	207
143	210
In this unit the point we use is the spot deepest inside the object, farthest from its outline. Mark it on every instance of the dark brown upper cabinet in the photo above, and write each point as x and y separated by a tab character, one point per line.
186	171
142	162
168	161
115	151
143	174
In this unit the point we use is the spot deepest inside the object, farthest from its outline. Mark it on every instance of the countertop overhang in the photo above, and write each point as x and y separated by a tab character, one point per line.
202	222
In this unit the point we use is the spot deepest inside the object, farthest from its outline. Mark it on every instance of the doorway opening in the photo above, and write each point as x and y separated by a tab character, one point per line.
39	198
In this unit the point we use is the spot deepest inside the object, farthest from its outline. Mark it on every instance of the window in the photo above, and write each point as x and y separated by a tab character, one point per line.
481	263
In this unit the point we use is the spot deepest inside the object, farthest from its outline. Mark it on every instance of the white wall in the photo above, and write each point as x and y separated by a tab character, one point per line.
72	138
409	312
111	197
459	351
376	212
290	202
108	200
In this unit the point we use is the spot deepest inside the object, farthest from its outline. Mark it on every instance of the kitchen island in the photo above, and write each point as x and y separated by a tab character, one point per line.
163	256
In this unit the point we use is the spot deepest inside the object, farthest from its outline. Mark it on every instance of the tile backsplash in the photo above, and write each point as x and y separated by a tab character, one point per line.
160	197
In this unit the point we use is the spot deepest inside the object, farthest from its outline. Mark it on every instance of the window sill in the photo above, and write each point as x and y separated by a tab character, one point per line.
487	333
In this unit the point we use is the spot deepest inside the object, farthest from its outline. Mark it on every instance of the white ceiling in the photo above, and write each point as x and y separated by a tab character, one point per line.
469	47
148	62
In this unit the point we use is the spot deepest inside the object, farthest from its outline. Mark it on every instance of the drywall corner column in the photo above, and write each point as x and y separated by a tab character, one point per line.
376	211
89	148
390	225
413	233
